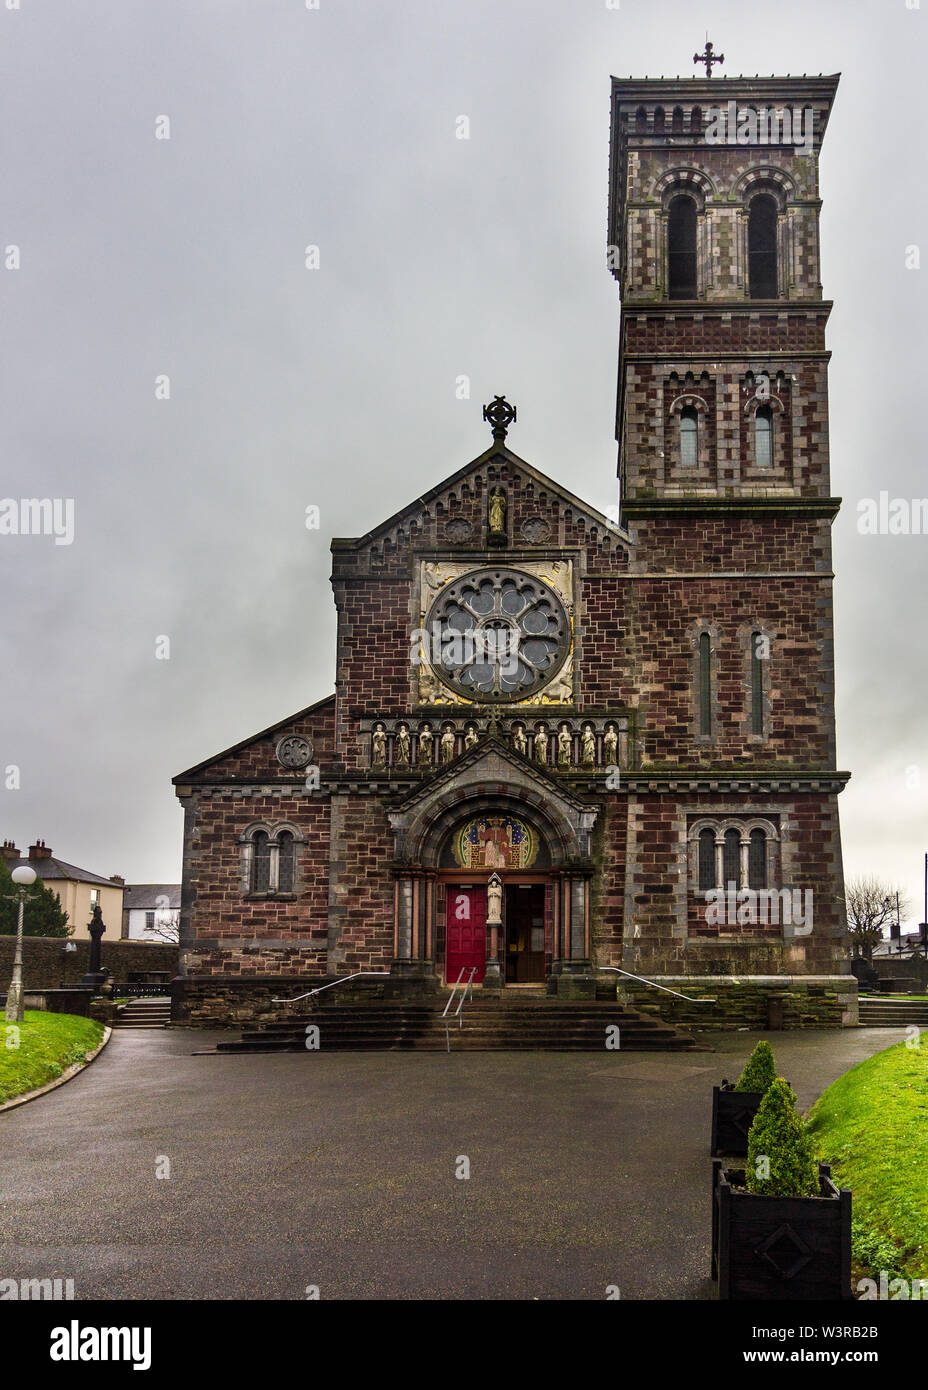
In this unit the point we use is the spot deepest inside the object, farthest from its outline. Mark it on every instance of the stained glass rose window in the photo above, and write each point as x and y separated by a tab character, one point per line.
497	634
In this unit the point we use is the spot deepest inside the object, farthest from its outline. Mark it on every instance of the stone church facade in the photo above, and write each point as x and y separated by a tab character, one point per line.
560	741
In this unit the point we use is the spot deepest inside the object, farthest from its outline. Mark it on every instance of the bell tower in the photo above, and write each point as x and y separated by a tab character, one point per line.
714	238
725	494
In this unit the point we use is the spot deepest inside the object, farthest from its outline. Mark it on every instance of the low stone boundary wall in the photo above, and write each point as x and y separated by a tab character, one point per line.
750	1001
912	967
230	1001
47	965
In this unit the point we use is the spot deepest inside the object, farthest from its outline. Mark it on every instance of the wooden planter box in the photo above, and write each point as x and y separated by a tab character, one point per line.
732	1116
780	1248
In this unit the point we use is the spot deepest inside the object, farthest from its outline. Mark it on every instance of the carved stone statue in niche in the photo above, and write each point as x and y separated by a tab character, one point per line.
497	508
611	746
425	747
401	749
378	747
470	736
589	746
494	900
564	741
447	744
541	745
519	741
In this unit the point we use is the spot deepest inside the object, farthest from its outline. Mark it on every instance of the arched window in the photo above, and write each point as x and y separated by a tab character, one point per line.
762	247
757	683
731	858
706	859
763	436
705	684
261	863
757	860
681	248
641	119
696	118
659	120
285	856
676	124
689	437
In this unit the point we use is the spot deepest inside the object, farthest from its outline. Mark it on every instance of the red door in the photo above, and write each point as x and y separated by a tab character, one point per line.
466	933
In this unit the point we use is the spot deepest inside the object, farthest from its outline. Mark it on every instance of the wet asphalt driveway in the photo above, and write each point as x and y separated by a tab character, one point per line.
339	1170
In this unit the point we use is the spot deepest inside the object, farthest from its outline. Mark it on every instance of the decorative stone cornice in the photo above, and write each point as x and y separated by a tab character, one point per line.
825	508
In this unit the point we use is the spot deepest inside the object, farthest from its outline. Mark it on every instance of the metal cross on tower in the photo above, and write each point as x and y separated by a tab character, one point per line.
708	58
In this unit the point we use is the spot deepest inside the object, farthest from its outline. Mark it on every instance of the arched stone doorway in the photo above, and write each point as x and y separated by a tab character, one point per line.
515	945
493	813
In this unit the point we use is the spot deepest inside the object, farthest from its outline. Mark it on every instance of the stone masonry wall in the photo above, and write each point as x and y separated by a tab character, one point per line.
813	1001
46	965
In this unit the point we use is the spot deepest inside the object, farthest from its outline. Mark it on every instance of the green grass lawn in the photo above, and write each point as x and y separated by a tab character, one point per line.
872	1126
45	1046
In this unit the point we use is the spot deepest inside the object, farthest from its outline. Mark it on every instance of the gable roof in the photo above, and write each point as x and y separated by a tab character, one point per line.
146	895
252	738
496	451
48	867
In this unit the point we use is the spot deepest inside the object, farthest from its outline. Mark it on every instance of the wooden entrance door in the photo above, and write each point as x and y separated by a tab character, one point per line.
525	934
466	932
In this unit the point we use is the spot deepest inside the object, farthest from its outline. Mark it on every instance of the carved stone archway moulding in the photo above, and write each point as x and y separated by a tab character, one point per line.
490	780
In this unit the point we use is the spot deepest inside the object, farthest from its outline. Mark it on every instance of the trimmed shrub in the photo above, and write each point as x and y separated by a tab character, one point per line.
760	1070
779	1135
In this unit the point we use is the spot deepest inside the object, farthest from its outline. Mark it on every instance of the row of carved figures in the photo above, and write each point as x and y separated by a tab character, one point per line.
542	741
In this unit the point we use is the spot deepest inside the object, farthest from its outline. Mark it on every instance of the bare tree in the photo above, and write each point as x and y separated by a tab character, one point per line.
870	903
165	928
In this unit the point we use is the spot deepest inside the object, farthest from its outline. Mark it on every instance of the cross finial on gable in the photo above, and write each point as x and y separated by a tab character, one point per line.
500	414
708	58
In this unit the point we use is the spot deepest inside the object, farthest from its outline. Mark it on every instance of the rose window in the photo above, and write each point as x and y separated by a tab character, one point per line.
497	634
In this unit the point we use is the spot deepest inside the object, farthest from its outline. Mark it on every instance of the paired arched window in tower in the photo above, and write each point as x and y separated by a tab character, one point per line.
681	248
682	222
762	247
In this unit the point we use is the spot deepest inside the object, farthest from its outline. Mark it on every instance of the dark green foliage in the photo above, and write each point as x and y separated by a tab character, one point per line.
44	915
876	1251
779	1134
760	1070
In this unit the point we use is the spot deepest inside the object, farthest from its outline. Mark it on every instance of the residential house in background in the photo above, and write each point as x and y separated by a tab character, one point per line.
78	890
151	912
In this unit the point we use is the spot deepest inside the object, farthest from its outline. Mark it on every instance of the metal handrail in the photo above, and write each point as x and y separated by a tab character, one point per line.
381	975
690	999
468	988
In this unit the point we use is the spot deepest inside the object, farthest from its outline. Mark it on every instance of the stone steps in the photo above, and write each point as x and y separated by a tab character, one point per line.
891	1012
144	1013
486	1027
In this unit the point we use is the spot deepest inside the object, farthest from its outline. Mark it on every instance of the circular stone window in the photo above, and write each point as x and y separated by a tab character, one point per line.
497	634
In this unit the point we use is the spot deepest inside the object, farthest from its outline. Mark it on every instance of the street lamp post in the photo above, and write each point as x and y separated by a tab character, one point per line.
24	877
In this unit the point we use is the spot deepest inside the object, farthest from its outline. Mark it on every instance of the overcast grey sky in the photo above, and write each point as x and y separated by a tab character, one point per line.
336	387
